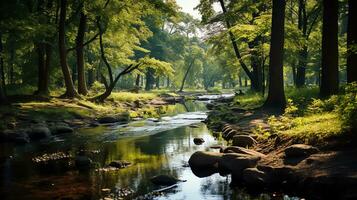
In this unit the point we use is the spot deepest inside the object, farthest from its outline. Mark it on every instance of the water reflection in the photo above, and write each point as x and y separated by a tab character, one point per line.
165	152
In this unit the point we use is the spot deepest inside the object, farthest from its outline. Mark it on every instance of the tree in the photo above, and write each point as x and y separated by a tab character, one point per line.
70	90
3	98
329	72
82	87
352	42
276	95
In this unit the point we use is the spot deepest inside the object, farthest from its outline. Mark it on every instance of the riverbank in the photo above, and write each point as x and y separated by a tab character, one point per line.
32	118
309	154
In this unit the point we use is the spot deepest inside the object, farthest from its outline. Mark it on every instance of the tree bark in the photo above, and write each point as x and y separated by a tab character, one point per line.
3	99
303	53
137	81
329	72
149	85
82	86
70	90
352	42
276	95
257	82
186	74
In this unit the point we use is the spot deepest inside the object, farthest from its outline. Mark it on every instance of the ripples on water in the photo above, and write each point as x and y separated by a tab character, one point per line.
154	148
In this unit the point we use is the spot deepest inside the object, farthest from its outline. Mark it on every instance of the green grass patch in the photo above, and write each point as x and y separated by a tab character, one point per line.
130	97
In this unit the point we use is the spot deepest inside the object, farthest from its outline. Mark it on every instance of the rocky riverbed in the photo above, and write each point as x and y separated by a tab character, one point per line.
275	164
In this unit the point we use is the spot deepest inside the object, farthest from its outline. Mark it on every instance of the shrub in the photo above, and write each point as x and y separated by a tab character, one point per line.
347	107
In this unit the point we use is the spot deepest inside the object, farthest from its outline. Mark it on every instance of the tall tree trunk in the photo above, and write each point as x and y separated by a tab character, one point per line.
82	87
329	72
157	82
70	90
40	47
149	79
3	98
303	53
168	82
240	81
11	65
186	74
256	84
90	77
352	42
276	95
137	81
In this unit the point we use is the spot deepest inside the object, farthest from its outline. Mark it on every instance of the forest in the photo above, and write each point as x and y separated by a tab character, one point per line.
178	99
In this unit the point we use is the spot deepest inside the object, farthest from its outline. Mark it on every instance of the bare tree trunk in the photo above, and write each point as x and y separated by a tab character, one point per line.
70	90
3	99
186	74
276	95
303	53
329	72
352	42
137	81
82	87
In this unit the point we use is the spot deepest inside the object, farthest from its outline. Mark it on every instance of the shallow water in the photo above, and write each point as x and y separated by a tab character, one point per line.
154	148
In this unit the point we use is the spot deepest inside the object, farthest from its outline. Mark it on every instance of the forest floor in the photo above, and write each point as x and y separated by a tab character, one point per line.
330	172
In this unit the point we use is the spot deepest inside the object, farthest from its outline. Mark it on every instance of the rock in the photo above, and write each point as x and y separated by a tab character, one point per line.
198	141
243	141
39	132
242	150
210	106
61	128
83	162
17	136
107	120
119	164
94	124
202	160
254	177
235	163
164	180
153	119
194	126
228	135
299	150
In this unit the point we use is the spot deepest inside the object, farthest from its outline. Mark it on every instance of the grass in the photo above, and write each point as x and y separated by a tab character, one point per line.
307	119
308	129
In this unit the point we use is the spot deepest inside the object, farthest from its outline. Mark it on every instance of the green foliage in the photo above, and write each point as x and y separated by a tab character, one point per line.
347	107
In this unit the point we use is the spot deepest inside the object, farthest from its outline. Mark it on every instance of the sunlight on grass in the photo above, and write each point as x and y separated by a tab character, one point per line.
309	129
130	97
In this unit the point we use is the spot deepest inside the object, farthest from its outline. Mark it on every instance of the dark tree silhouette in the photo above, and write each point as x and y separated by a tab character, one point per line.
352	42
329	72
276	95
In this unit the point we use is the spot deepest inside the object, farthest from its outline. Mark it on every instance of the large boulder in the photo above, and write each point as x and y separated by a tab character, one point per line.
39	132
235	163
229	133
119	164
254	177
198	141
243	141
60	128
242	150
17	136
164	180
201	159
299	150
107	120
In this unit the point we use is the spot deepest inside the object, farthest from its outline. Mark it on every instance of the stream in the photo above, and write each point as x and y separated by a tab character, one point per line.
153	147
